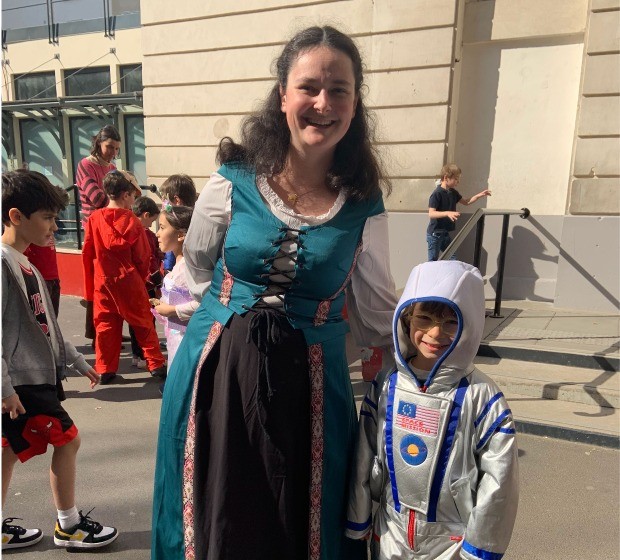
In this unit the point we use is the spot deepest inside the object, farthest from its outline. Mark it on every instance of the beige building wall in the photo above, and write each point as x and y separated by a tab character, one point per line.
595	181
519	88
207	65
504	87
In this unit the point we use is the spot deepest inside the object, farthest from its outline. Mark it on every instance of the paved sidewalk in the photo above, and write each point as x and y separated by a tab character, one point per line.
116	460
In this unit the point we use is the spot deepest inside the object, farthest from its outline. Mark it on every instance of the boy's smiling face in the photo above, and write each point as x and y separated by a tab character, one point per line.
431	334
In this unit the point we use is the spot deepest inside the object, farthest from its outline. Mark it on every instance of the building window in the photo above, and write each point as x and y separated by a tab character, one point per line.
39	84
88	81
135	146
131	78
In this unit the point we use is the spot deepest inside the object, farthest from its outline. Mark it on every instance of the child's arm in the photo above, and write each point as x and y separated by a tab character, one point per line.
77	362
10	400
182	311
481	194
366	467
493	516
435	214
13	406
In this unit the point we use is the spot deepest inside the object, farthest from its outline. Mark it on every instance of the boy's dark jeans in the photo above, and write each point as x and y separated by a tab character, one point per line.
438	242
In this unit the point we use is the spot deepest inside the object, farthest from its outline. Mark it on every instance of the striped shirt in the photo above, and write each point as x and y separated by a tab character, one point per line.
89	179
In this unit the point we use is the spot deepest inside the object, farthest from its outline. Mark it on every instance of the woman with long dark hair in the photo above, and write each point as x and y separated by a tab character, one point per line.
89	179
92	169
258	417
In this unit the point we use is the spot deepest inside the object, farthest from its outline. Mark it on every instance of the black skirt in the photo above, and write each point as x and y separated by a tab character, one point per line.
252	446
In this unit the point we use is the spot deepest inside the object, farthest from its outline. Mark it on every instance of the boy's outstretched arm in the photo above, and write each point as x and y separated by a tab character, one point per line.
481	194
365	463
493	516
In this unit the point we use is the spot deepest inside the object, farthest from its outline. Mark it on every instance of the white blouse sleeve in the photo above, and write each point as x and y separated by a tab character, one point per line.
186	310
205	236
371	296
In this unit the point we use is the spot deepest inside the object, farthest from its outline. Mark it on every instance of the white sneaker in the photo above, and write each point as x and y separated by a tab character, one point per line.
138	362
14	536
86	534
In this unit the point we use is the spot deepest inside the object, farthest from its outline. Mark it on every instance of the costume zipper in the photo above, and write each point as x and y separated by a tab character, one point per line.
411	529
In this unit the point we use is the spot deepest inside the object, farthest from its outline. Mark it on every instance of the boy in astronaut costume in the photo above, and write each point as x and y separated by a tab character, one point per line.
437	447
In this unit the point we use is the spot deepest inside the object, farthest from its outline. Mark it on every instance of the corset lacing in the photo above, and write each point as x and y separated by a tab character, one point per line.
265	327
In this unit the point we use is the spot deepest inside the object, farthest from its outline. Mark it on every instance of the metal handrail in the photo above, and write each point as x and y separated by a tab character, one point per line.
77	221
477	219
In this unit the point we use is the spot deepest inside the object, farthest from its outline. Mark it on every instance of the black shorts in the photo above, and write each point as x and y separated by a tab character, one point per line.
45	422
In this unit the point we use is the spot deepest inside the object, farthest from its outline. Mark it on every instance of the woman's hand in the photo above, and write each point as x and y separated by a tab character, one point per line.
166	310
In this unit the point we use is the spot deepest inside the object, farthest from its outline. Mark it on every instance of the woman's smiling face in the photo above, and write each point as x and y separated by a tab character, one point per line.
319	100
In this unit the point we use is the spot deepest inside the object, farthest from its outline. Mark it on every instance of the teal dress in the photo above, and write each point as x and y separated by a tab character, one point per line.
313	304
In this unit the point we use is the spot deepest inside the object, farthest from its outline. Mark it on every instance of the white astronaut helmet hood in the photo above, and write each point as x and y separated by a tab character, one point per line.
458	285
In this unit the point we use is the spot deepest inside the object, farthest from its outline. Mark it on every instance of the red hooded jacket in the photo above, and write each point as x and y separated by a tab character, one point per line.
116	252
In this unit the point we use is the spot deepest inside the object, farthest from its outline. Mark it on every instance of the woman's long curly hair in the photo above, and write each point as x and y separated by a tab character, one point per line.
265	136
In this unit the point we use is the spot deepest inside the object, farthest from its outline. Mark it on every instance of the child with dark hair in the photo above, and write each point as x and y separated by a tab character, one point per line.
116	257
178	190
146	210
176	305
34	359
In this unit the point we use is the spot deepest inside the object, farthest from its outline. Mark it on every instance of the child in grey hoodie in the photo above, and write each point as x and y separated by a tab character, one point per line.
34	358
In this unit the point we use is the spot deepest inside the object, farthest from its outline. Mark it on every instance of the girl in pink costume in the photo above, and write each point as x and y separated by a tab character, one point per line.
176	305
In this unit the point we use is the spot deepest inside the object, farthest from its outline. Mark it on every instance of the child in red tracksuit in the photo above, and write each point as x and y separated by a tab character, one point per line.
116	257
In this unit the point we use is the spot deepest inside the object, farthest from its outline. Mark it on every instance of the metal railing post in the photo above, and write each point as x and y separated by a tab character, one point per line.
478	244
500	267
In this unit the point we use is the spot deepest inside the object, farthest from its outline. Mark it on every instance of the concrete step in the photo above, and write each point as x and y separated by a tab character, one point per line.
554	382
570	421
563	357
539	332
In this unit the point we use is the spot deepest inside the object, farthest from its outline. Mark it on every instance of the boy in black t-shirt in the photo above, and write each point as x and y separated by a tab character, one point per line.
34	358
442	210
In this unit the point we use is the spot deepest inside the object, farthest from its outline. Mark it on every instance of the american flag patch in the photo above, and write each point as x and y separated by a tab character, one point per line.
416	418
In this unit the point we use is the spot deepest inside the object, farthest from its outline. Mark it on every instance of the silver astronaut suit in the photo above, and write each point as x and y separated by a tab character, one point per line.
440	457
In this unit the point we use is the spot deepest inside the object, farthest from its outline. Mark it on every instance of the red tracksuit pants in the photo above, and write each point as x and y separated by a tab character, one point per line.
117	301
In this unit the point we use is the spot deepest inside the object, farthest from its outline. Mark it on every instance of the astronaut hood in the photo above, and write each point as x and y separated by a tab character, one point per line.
460	286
